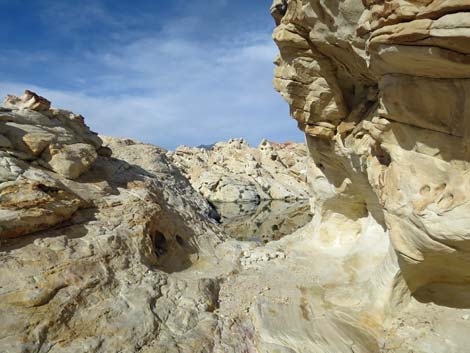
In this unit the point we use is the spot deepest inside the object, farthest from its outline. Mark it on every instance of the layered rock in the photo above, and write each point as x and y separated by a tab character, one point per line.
118	253
379	88
235	172
93	248
35	142
125	258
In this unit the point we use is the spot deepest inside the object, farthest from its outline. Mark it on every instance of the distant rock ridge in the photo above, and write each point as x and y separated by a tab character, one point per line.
235	172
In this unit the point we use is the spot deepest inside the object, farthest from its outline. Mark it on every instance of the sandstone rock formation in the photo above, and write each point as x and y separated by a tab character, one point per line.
36	140
379	88
235	172
115	252
124	258
88	242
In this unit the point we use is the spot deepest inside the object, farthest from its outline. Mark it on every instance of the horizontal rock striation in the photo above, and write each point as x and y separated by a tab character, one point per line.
380	87
106	247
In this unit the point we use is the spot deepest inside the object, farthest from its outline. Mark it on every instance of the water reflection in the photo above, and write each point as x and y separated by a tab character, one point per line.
267	221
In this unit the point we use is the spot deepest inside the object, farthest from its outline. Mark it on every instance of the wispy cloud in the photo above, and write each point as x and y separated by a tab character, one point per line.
60	14
167	88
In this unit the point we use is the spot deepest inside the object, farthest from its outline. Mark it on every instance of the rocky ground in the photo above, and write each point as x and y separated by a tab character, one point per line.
106	247
235	172
89	237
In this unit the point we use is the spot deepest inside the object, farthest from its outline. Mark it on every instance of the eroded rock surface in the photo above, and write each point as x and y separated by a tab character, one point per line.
40	148
235	172
116	252
93	248
125	258
379	89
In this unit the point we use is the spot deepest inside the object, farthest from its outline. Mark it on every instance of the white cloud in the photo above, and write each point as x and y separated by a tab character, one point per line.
169	90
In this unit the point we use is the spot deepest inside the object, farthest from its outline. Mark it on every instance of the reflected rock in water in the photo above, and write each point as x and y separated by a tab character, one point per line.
264	222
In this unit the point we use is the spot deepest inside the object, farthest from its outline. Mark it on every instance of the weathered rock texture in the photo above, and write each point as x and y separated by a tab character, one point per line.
116	253
380	88
35	141
235	172
124	258
88	242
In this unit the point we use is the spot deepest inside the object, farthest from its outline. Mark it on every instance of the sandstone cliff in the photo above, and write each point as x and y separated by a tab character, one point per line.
235	172
109	249
379	87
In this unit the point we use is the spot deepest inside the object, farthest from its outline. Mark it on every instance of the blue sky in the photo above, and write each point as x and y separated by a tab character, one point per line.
165	72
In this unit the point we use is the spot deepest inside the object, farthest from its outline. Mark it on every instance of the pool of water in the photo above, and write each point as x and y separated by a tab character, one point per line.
263	222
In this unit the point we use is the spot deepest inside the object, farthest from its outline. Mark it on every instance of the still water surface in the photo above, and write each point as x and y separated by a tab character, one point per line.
264	222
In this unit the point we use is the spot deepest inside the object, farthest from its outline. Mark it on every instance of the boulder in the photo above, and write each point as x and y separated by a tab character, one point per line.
54	138
29	100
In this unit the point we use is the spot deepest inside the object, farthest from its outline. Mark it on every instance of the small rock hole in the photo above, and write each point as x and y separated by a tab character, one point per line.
441	188
425	190
48	189
446	201
382	156
180	241
159	244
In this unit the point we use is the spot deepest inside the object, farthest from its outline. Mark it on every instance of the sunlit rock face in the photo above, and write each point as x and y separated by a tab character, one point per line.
380	88
36	142
105	247
89	243
233	171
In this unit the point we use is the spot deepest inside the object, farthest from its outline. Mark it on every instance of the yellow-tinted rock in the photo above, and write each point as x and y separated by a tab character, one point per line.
394	164
27	207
